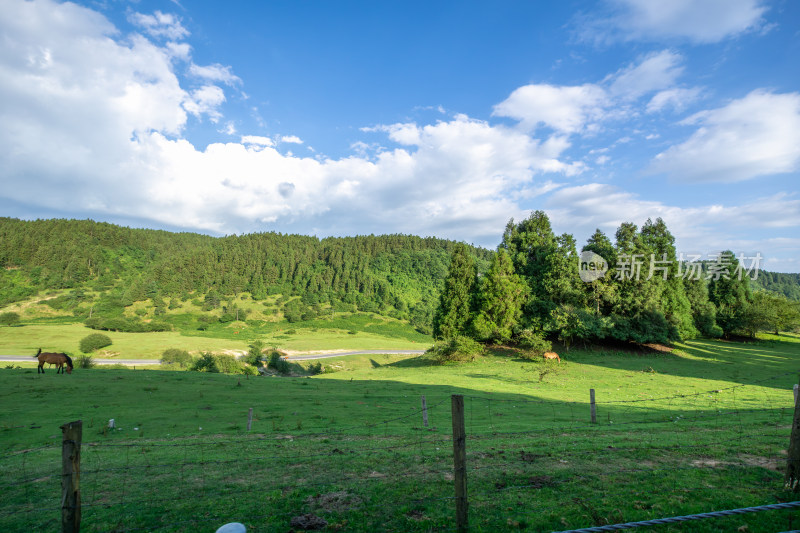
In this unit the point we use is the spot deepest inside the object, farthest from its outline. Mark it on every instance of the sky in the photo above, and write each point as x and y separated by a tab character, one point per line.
444	119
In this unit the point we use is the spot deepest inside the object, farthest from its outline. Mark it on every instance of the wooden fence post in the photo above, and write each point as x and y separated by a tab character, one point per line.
249	418
71	477
592	406
793	460
796	390
424	411
460	461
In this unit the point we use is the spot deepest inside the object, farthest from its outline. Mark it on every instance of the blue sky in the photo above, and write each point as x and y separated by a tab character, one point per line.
426	118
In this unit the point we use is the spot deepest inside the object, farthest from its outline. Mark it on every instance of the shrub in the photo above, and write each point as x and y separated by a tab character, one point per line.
456	349
93	342
218	363
315	368
205	363
255	354
9	319
248	370
227	364
278	363
533	343
86	361
174	356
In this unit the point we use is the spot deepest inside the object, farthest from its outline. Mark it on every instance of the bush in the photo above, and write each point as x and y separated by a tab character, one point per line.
533	343
278	363
85	361
9	319
218	363
227	364
205	363
174	356
455	349
93	342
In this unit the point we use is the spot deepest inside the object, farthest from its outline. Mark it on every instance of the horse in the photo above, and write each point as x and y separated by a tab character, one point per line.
58	359
551	355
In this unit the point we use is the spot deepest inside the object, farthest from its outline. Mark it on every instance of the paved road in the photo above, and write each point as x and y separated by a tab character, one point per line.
298	357
302	357
31	359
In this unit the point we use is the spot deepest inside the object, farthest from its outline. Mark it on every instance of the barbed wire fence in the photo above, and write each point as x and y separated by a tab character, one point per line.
528	463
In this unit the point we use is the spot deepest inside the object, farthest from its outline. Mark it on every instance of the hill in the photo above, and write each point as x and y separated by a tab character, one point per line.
100	271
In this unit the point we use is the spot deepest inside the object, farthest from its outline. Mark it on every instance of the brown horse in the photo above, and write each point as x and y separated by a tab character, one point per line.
58	359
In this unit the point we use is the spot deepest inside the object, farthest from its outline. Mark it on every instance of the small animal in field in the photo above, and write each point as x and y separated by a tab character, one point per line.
58	359
551	355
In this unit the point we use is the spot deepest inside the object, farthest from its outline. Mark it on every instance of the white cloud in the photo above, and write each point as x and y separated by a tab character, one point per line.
96	124
758	135
160	25
205	100
215	72
697	21
655	72
257	140
705	229
567	109
676	98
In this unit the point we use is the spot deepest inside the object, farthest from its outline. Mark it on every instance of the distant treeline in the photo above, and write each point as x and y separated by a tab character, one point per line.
636	288
394	275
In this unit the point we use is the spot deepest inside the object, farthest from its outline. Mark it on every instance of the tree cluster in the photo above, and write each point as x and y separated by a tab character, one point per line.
535	288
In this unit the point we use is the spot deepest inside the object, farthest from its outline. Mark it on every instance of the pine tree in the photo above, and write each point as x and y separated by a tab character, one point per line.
500	300
456	303
547	263
729	290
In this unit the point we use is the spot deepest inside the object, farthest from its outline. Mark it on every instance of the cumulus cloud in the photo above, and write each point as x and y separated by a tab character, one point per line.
205	100
566	109
754	136
697	21
705	228
96	120
583	109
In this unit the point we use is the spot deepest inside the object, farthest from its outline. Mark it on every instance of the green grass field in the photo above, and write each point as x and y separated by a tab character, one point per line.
702	428
354	332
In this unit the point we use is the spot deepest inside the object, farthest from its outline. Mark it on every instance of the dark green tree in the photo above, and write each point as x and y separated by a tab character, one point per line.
729	291
548	264
501	296
456	303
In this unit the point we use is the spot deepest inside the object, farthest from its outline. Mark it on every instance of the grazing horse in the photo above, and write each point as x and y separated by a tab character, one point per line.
551	355
58	359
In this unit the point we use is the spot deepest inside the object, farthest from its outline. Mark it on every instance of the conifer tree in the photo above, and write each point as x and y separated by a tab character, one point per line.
456	302
729	290
500	300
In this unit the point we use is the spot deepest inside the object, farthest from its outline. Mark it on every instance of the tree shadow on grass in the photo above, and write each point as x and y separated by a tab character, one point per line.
414	362
751	362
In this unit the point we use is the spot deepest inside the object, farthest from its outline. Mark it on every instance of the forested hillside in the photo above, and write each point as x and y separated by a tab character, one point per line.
779	282
394	275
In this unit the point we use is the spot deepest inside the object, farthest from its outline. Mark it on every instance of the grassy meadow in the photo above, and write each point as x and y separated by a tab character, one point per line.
360	331
704	427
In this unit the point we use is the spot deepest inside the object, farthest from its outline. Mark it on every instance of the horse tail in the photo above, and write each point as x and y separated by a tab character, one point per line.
37	353
69	360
